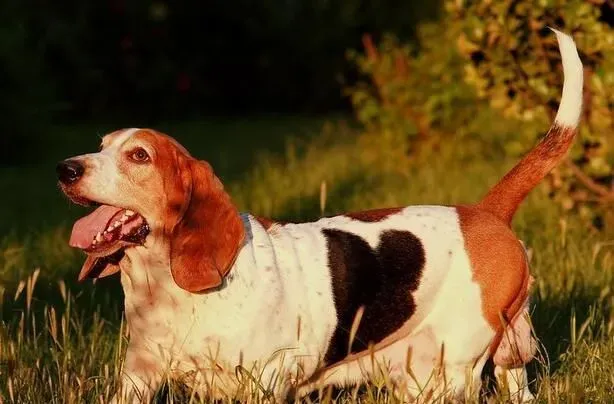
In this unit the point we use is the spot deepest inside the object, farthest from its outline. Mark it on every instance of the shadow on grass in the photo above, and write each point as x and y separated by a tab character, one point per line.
554	322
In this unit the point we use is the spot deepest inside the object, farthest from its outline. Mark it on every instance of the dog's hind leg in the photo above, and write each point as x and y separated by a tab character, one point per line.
517	347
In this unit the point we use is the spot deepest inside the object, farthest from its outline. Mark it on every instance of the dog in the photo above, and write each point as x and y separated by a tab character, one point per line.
426	294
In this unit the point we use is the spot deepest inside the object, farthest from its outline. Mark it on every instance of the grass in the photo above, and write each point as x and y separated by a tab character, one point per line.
62	342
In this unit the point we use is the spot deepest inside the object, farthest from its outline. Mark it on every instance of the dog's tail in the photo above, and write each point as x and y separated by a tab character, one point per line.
505	197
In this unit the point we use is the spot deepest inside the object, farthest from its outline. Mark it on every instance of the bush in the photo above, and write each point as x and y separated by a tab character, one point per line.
503	76
513	61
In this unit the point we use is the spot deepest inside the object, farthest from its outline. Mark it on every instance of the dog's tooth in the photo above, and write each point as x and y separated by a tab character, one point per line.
98	237
129	213
117	223
124	218
94	242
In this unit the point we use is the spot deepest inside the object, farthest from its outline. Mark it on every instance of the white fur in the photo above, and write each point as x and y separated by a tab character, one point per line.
569	112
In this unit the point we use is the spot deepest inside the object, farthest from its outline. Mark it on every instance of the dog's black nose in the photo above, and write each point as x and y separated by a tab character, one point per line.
69	171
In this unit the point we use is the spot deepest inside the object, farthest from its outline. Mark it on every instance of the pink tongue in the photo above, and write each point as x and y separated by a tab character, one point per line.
86	228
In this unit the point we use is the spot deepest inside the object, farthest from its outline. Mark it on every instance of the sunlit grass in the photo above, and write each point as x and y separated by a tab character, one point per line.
62	342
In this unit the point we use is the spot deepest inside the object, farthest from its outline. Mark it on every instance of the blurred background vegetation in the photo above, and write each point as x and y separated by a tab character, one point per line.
150	60
289	97
413	72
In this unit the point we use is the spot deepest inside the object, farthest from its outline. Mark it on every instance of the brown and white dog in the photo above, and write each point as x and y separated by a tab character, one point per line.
427	292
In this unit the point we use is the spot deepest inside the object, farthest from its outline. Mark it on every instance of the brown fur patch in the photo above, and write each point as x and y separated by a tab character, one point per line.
265	222
204	226
504	198
373	215
499	265
207	238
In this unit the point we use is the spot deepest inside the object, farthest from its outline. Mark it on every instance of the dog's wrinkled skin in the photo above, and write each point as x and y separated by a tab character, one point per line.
434	288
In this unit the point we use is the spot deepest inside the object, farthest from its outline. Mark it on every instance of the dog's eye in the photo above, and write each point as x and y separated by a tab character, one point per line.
139	155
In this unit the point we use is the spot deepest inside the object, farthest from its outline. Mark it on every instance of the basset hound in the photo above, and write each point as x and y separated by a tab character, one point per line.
423	294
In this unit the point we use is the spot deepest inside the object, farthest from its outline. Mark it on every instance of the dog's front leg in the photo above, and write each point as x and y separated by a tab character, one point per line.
141	377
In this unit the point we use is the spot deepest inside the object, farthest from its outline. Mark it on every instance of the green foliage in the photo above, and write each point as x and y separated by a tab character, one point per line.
413	93
496	62
513	62
416	96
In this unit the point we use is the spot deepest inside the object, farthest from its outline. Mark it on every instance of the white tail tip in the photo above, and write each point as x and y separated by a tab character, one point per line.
570	107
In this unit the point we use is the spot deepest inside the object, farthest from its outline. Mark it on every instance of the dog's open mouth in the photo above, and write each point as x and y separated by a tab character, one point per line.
103	235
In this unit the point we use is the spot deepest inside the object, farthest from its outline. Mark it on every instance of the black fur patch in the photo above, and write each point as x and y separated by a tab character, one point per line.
381	280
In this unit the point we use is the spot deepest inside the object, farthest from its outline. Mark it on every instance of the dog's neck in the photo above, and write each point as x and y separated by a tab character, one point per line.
157	309
148	282
148	285
145	272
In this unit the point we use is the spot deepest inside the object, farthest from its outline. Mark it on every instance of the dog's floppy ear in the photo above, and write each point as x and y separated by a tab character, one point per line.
208	233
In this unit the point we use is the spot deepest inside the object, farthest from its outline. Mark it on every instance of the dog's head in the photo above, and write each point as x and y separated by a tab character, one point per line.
152	194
